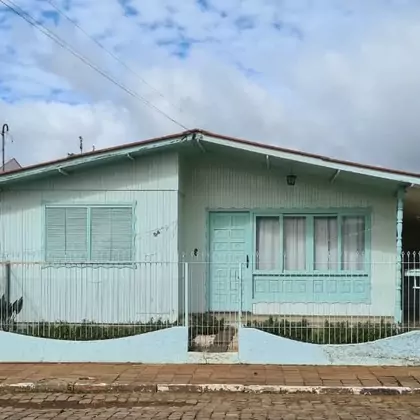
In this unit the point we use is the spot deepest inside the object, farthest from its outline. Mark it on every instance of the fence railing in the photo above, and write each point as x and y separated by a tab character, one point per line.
85	301
338	304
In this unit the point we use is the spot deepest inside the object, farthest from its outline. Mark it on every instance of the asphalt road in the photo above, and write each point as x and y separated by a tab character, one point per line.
207	406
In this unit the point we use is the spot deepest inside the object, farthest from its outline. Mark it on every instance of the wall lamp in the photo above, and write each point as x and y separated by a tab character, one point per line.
291	180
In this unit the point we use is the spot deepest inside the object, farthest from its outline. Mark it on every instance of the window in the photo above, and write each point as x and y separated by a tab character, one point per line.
294	243
90	233
353	243
310	243
66	233
268	243
326	243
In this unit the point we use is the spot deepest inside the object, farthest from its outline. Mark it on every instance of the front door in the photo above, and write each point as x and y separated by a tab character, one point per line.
230	244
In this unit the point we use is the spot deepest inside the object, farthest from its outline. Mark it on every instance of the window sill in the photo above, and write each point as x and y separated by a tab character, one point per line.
311	273
90	264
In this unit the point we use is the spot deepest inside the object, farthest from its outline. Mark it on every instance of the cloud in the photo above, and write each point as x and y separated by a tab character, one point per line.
42	130
343	82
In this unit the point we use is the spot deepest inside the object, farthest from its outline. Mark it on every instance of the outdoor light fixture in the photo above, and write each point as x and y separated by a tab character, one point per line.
291	180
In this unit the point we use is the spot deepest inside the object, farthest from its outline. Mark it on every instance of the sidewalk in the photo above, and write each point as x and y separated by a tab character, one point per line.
84	378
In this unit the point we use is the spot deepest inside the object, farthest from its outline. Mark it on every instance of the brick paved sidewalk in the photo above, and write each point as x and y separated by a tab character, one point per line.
128	377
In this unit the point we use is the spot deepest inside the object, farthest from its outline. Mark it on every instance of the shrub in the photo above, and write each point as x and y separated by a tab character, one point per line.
87	330
342	332
300	331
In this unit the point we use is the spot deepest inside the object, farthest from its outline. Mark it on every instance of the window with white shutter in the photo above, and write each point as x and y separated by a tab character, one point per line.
111	234
66	233
89	233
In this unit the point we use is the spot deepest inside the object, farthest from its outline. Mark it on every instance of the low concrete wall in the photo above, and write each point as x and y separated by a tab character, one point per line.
165	346
259	347
170	346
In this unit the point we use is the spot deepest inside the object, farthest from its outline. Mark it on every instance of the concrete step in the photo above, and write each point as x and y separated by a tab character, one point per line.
224	341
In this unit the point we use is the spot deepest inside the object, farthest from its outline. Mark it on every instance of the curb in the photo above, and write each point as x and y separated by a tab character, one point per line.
58	386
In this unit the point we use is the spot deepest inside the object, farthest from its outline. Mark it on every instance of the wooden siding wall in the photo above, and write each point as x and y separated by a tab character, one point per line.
215	184
151	185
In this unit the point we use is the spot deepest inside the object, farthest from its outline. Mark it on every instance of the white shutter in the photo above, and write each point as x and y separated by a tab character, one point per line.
66	234
112	234
55	233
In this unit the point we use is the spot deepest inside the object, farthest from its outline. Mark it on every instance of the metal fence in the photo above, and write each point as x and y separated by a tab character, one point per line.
380	299
86	301
410	290
89	301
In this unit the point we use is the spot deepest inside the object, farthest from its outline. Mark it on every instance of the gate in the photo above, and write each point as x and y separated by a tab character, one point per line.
214	329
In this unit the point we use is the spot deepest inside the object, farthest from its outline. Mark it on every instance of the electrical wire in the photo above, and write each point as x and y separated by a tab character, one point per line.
111	54
50	34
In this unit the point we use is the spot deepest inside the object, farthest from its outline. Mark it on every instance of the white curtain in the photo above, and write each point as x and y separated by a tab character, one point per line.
294	243
326	243
353	243
268	243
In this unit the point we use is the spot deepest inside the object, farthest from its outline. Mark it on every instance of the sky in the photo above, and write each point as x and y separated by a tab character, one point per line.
334	77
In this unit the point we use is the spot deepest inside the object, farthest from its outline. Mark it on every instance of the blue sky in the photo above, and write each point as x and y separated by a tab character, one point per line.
335	77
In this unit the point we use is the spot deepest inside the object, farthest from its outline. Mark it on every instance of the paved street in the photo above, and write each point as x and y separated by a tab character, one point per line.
206	406
67	374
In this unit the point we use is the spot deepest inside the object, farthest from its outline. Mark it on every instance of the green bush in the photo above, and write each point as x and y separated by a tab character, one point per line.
330	333
342	332
300	331
199	324
87	330
205	324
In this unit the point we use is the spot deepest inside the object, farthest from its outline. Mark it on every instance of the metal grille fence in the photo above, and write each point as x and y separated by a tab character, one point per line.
87	301
323	308
214	308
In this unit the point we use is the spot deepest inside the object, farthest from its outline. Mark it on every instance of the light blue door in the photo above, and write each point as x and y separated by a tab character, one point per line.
230	244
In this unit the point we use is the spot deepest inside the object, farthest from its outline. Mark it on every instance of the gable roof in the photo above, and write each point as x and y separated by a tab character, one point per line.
198	135
10	165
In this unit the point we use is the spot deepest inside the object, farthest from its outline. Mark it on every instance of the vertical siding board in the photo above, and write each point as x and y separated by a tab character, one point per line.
219	184
114	295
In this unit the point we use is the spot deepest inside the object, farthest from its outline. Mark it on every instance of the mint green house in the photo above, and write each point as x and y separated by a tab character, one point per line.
104	235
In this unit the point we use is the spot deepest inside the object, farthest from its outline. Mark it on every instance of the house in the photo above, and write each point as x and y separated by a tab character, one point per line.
10	165
111	235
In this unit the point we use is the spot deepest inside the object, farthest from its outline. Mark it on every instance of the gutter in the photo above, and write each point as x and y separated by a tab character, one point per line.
61	166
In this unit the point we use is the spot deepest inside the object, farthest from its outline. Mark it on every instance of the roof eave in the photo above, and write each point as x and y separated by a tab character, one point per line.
315	161
89	159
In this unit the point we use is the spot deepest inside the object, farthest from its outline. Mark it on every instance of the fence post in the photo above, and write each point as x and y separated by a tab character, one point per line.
399	274
7	284
5	321
186	294
240	295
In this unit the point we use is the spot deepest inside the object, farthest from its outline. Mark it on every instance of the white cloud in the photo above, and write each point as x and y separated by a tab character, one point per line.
344	83
43	130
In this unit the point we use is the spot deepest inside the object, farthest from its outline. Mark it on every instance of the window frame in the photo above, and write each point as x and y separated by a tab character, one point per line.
310	215
88	260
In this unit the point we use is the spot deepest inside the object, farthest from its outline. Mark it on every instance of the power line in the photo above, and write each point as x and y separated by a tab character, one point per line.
111	54
50	34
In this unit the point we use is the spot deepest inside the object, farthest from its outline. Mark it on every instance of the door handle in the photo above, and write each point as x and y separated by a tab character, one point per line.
247	261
